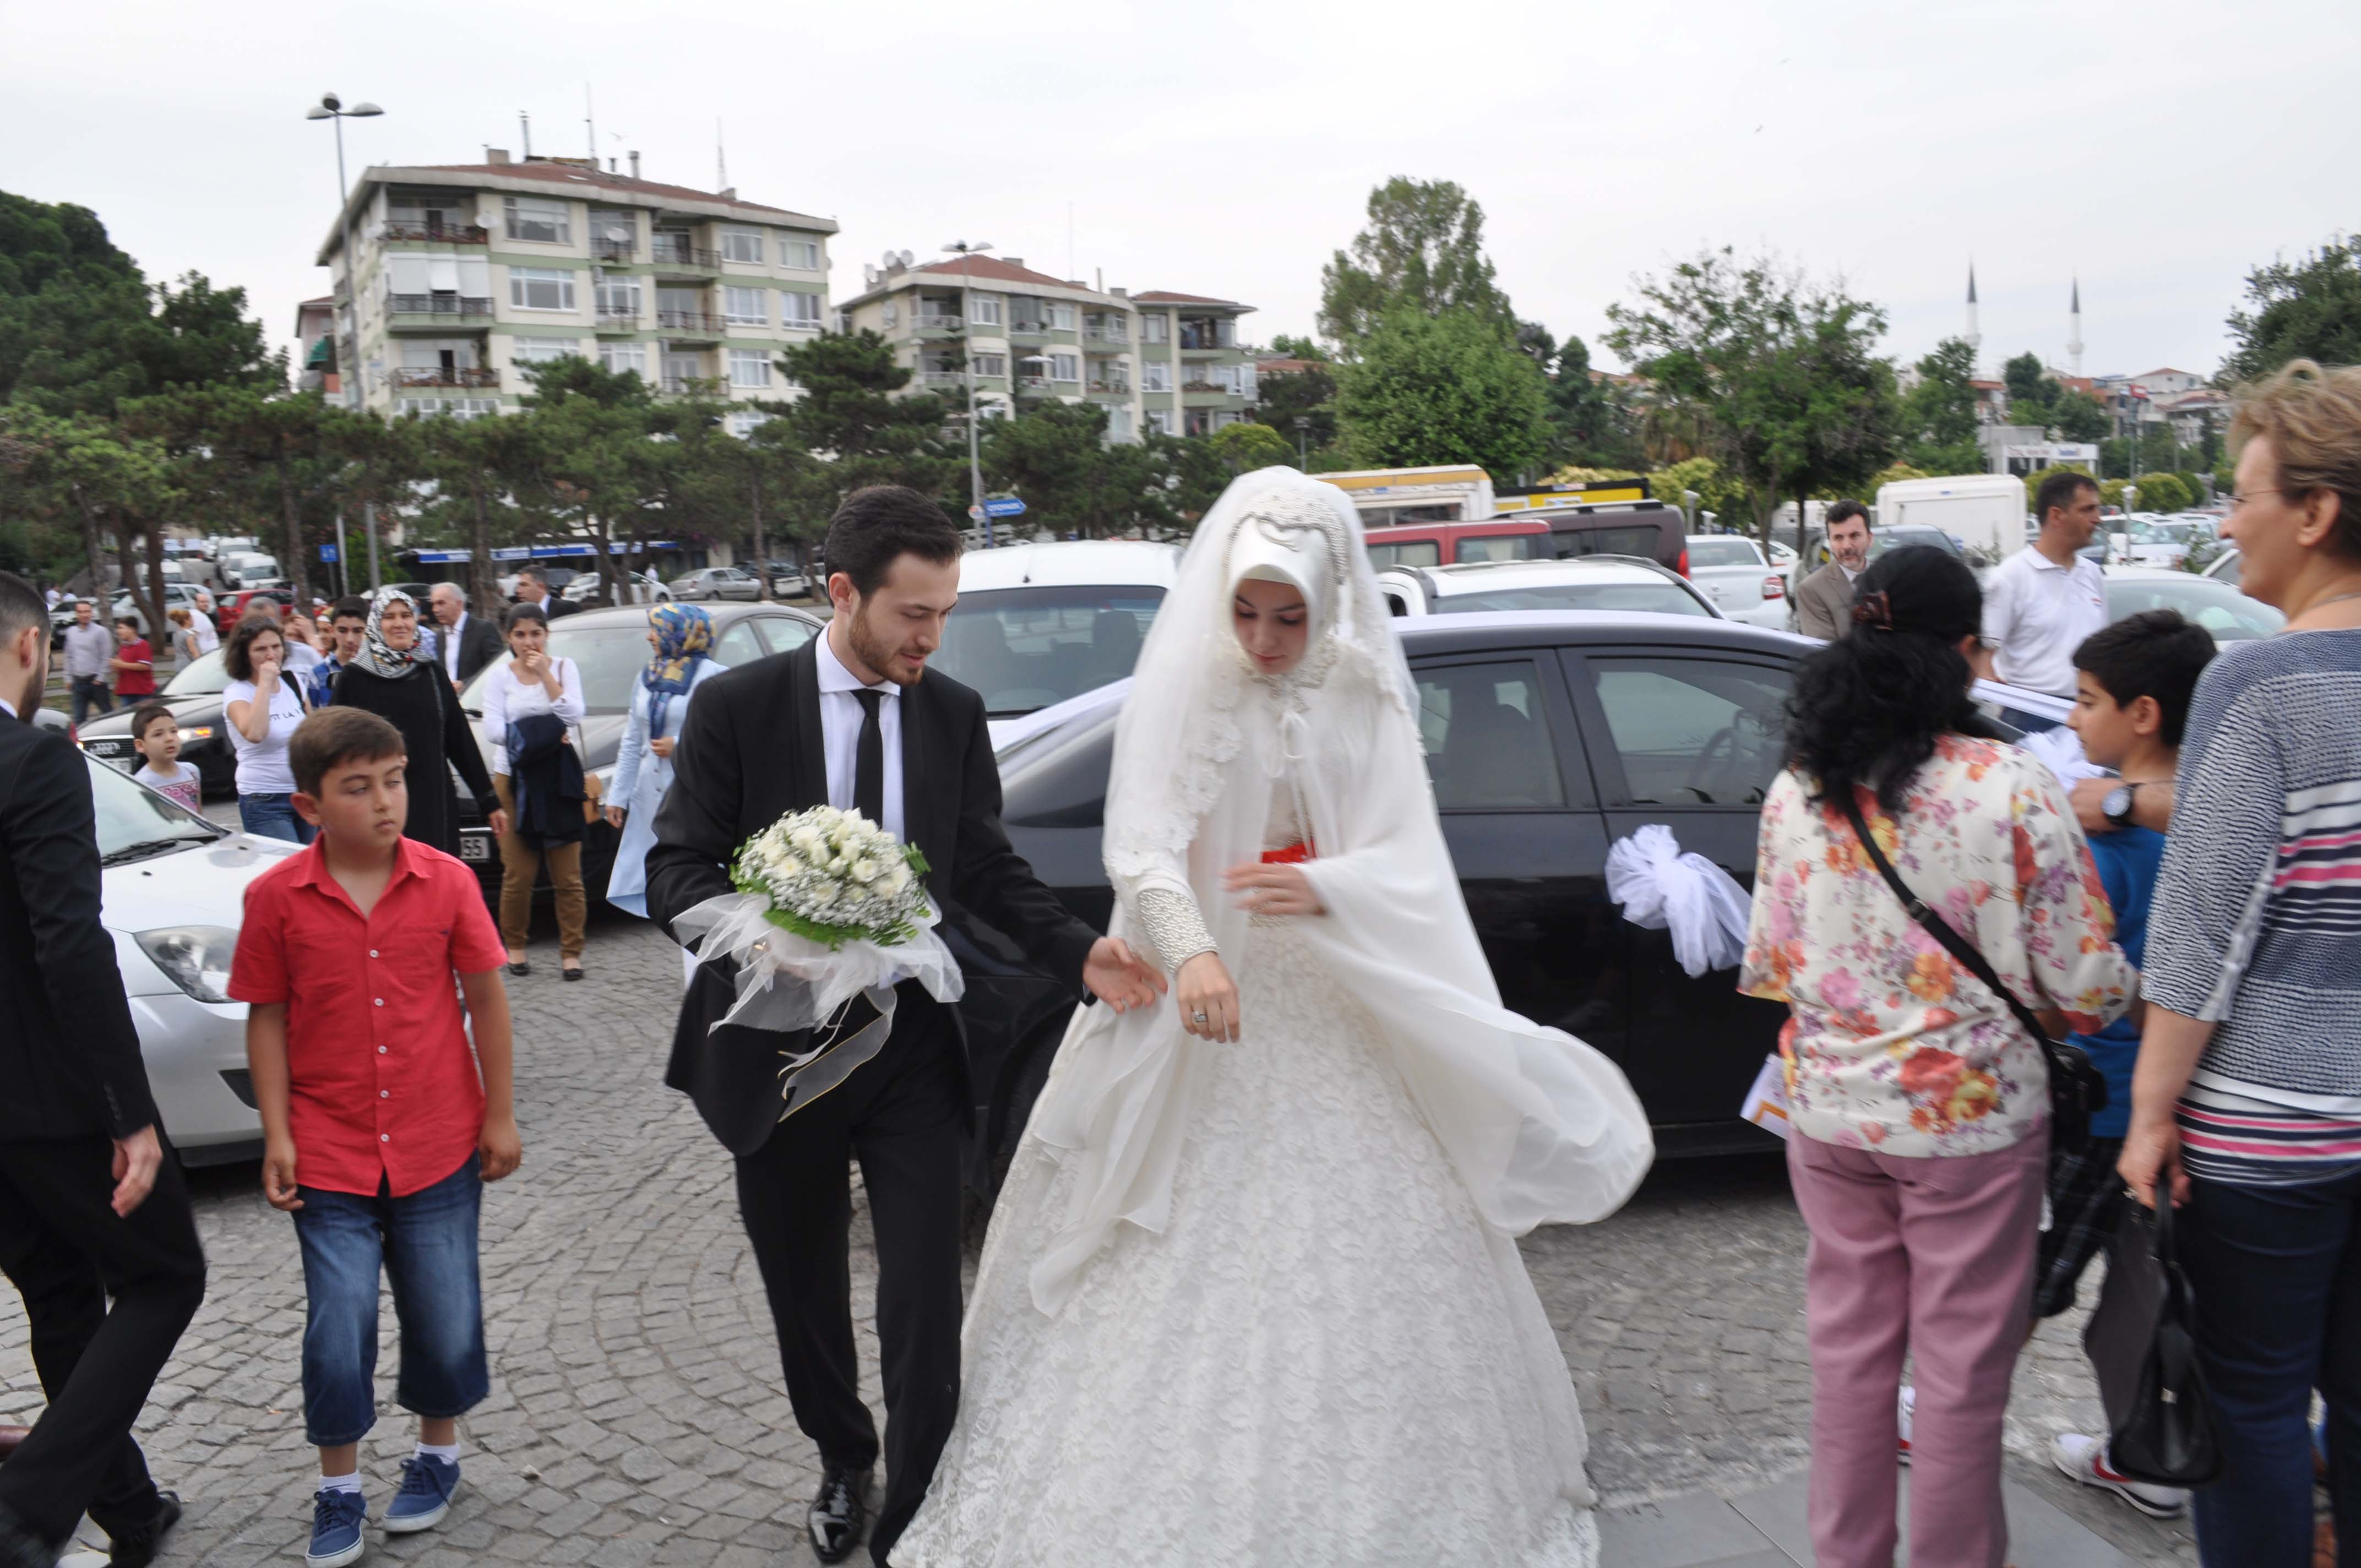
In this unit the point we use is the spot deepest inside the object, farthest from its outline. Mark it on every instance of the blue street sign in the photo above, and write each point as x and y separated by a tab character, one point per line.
328	552
1004	507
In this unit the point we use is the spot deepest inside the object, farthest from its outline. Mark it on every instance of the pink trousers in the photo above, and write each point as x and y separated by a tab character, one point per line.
1934	1257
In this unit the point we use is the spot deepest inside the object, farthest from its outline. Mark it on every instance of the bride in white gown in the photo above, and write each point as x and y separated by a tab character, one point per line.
1250	1294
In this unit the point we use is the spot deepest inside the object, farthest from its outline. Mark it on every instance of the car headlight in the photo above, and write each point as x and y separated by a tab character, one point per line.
196	732
194	958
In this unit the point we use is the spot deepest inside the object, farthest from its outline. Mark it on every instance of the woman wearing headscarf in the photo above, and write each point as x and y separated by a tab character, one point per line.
682	636
397	680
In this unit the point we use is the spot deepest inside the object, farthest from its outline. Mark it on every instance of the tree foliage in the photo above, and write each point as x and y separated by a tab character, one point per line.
1443	388
1422	250
2307	308
2163	492
1307	395
1285	345
1938	414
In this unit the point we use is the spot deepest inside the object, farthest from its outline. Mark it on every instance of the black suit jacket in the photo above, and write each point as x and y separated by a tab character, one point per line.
750	753
560	606
479	644
69	1063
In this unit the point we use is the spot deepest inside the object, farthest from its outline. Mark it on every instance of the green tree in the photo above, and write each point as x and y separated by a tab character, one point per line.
2078	416
590	457
2306	309
1309	396
1056	456
474	466
1248	445
2163	492
2028	384
853	411
269	442
2033	482
96	478
1285	345
1591	424
1938	414
1443	389
1422	249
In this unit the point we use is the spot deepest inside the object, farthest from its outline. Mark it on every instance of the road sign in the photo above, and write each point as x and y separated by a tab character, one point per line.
1004	505
328	552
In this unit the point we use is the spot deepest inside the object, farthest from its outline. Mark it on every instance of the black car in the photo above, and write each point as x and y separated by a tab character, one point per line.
195	697
610	646
1592	725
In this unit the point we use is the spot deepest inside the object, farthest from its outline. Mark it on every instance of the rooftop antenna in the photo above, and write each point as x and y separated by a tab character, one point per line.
590	124
525	125
721	159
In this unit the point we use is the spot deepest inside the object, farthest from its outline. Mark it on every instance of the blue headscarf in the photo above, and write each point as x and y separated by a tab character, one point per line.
684	632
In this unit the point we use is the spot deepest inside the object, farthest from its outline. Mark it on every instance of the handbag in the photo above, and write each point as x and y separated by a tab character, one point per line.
2141	1340
2078	1091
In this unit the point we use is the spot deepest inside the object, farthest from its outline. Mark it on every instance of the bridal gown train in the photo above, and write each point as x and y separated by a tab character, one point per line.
1325	1357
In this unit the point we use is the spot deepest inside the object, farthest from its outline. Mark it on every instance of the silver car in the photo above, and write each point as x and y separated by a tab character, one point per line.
718	583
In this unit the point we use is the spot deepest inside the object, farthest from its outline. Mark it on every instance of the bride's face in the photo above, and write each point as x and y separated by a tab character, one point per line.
1272	622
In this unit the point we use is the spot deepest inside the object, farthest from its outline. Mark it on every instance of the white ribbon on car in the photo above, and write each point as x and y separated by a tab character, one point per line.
1661	889
789	984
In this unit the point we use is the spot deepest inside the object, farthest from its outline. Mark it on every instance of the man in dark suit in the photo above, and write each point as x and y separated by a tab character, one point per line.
532	588
464	643
847	720
91	1201
1824	603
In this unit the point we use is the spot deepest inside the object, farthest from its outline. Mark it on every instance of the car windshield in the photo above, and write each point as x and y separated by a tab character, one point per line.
1027	648
1886	539
2213	604
2162	532
203	677
1730	552
134	822
609	657
1663	598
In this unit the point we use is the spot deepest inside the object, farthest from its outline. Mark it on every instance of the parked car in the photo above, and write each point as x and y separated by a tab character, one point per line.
2212	603
1038	624
1449	543
1731	570
1622	585
194	693
639	588
2228	567
250	570
229	608
2166	541
1815	552
173	889
610	647
177	595
1591	727
718	583
1654	530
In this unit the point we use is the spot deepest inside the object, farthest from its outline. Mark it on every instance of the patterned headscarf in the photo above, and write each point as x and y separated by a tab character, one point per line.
380	659
684	632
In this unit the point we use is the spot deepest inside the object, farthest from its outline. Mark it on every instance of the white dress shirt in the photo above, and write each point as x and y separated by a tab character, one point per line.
840	730
451	648
508	699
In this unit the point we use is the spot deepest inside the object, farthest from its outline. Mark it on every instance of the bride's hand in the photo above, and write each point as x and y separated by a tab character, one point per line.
1204	990
1272	889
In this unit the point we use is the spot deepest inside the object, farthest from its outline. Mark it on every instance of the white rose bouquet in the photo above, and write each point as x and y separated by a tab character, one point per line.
831	912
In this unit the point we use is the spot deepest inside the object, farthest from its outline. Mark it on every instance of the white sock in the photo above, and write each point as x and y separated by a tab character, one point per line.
448	1453
351	1483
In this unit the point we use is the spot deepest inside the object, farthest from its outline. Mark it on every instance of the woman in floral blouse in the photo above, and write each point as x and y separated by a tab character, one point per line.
1919	1106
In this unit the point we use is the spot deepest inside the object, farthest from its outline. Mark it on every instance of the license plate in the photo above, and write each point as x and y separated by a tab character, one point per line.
476	847
120	765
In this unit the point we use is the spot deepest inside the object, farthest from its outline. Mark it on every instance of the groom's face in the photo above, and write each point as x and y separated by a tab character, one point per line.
896	630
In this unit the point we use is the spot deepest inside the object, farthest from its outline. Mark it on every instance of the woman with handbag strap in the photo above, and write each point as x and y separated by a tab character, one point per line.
1920	1105
532	684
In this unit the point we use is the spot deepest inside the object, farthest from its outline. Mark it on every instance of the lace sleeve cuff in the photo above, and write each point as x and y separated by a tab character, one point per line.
1174	926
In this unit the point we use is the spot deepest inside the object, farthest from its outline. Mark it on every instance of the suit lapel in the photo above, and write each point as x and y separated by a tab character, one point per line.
811	780
920	818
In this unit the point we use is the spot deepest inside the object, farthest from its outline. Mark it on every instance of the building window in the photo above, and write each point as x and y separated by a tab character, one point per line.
1156	375
447	408
1246	386
742	245
801	254
1155	327
541	289
619	357
1160	421
542	350
983	310
892	317
799	310
1225	418
741	425
1065	368
619	296
1061	317
542	222
991	364
1118	422
844	321
750	367
746	307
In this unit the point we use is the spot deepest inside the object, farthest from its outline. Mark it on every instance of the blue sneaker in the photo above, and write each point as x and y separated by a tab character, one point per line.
336	1520
425	1495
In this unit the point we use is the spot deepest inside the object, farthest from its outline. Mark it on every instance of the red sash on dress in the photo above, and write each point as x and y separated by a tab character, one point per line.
1293	855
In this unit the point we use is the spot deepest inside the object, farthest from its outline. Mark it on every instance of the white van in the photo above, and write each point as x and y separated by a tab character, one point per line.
1985	512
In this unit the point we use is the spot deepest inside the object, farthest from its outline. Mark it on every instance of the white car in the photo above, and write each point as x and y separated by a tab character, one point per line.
172	890
1620	583
2228	567
1744	586
1038	624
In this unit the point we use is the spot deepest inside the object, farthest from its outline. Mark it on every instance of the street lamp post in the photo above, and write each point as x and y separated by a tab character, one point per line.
964	251
1302	455
331	107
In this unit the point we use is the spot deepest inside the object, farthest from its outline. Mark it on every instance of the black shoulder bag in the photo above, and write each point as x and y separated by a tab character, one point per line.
2141	1340
2078	1091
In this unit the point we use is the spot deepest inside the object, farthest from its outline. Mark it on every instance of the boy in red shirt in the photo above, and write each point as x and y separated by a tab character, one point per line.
134	663
379	1126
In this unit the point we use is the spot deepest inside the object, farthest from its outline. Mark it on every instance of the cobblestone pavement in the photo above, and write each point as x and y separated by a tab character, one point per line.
636	1415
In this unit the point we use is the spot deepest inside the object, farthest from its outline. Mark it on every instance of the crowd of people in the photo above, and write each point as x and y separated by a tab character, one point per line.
1952	925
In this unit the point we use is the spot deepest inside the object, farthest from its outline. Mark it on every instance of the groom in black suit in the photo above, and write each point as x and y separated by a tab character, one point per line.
847	720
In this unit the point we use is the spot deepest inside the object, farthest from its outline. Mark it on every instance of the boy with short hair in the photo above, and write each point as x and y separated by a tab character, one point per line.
2133	679
156	736
347	626
379	1126
134	663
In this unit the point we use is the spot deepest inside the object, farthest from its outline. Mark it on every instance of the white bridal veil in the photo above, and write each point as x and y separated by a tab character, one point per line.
1540	1126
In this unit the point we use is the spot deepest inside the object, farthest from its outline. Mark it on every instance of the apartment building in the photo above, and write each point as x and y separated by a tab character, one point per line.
1157	361
463	274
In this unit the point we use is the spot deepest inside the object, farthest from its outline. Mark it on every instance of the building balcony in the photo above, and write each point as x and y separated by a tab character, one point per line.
618	321
1028	329
1202	386
1111	389
945	378
435	311
444	376
1033	383
939	321
435	234
690	323
674	254
615	249
695	386
1099	335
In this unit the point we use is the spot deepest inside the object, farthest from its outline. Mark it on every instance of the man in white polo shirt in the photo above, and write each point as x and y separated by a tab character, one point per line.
2041	602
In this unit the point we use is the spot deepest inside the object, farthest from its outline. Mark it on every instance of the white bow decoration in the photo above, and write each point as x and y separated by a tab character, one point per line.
1661	889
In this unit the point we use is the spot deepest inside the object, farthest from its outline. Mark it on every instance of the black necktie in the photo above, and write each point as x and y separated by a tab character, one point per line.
869	760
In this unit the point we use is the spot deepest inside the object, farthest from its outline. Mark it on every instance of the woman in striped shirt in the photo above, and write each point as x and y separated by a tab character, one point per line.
2246	1101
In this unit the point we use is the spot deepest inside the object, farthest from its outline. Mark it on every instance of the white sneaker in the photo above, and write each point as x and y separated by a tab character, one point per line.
2085	1459
1905	1408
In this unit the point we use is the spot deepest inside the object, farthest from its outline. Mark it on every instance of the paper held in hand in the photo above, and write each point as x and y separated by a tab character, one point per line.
829	914
1766	1101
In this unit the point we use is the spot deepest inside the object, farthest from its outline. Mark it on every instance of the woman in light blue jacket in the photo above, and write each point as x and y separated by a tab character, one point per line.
681	635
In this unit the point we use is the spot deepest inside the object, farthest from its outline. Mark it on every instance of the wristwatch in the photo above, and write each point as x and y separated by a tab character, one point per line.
2117	808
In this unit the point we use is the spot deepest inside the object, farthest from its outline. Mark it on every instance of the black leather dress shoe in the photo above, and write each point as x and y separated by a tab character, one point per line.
139	1551
840	1513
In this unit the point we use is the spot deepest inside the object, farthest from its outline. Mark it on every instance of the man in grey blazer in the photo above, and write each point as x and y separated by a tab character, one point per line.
1824	604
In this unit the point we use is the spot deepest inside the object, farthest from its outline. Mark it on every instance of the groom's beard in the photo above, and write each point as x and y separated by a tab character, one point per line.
886	658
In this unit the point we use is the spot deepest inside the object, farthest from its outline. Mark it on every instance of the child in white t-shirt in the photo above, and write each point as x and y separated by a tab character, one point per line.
156	736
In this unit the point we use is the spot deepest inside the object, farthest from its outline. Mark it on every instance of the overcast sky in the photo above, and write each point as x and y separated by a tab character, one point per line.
2160	150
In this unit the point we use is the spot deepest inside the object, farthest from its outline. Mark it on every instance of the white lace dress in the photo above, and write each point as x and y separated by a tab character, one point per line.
1325	1358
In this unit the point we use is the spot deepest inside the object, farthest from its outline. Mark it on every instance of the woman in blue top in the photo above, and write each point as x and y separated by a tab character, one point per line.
681	635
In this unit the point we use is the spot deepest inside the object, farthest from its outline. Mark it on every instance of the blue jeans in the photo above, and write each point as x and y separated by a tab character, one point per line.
426	1243
273	817
2277	1273
89	695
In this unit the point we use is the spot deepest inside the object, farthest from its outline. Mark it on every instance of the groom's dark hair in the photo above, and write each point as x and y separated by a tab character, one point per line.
877	523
